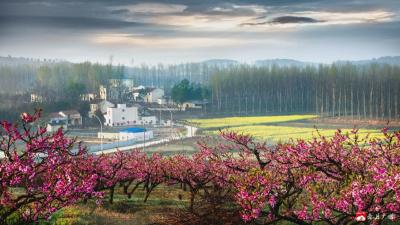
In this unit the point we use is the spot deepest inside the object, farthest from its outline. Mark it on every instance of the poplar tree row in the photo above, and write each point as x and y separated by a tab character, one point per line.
338	90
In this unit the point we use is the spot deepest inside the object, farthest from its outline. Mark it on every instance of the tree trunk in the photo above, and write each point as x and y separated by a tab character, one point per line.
111	200
352	104
364	106
371	114
333	102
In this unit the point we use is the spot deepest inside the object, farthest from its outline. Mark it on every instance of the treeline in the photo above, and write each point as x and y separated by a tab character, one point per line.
338	90
59	84
186	91
55	80
66	80
166	76
18	75
16	80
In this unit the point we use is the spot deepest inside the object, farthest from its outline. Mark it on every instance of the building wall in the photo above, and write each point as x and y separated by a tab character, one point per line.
124	136
57	119
54	128
36	98
154	95
88	97
121	116
102	92
104	105
106	135
93	108
149	120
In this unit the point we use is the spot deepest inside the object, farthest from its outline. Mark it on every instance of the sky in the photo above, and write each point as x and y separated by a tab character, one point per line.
132	32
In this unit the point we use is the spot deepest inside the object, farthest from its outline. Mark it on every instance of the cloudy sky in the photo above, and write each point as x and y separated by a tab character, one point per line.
173	31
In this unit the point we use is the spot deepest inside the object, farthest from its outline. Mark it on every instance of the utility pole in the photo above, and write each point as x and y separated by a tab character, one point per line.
144	136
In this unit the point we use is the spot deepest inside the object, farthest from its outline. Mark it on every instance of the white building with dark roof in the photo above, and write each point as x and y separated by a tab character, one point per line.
121	116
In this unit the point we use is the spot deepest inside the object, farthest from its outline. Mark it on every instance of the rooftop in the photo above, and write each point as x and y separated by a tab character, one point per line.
133	130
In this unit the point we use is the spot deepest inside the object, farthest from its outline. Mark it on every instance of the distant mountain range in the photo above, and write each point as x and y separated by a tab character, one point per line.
281	62
392	60
220	62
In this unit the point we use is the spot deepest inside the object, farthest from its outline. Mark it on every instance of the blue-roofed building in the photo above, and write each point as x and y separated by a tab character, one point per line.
133	130
135	133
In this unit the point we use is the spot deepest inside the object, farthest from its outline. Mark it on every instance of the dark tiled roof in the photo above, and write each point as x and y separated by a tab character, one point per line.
59	122
70	112
55	115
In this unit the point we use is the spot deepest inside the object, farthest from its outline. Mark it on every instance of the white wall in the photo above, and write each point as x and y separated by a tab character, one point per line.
122	116
148	120
154	95
54	128
108	135
124	136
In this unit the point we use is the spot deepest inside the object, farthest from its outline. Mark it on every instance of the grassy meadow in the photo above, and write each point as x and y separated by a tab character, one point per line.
162	203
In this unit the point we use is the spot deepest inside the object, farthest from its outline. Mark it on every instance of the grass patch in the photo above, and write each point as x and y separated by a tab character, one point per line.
162	201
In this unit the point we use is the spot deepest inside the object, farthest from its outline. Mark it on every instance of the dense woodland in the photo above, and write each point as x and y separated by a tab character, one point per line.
357	90
369	91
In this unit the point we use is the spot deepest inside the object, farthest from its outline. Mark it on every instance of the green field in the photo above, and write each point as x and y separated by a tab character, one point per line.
246	121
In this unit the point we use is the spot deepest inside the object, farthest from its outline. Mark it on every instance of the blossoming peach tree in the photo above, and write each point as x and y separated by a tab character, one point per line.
39	171
324	180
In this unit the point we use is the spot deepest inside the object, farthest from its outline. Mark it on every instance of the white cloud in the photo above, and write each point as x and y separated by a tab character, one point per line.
164	42
154	8
374	16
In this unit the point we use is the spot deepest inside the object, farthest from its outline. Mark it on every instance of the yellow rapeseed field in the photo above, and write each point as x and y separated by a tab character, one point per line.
285	133
246	121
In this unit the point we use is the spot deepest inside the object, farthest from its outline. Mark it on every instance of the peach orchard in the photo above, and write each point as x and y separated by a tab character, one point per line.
323	180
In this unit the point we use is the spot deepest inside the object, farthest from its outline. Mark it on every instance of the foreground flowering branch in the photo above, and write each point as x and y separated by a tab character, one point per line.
39	172
323	180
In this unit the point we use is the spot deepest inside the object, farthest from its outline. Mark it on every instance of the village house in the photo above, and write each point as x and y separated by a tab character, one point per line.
53	126
73	116
69	117
194	104
99	105
166	100
116	89
125	116
36	98
148	120
88	97
148	95
132	133
102	92
57	117
121	116
153	95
